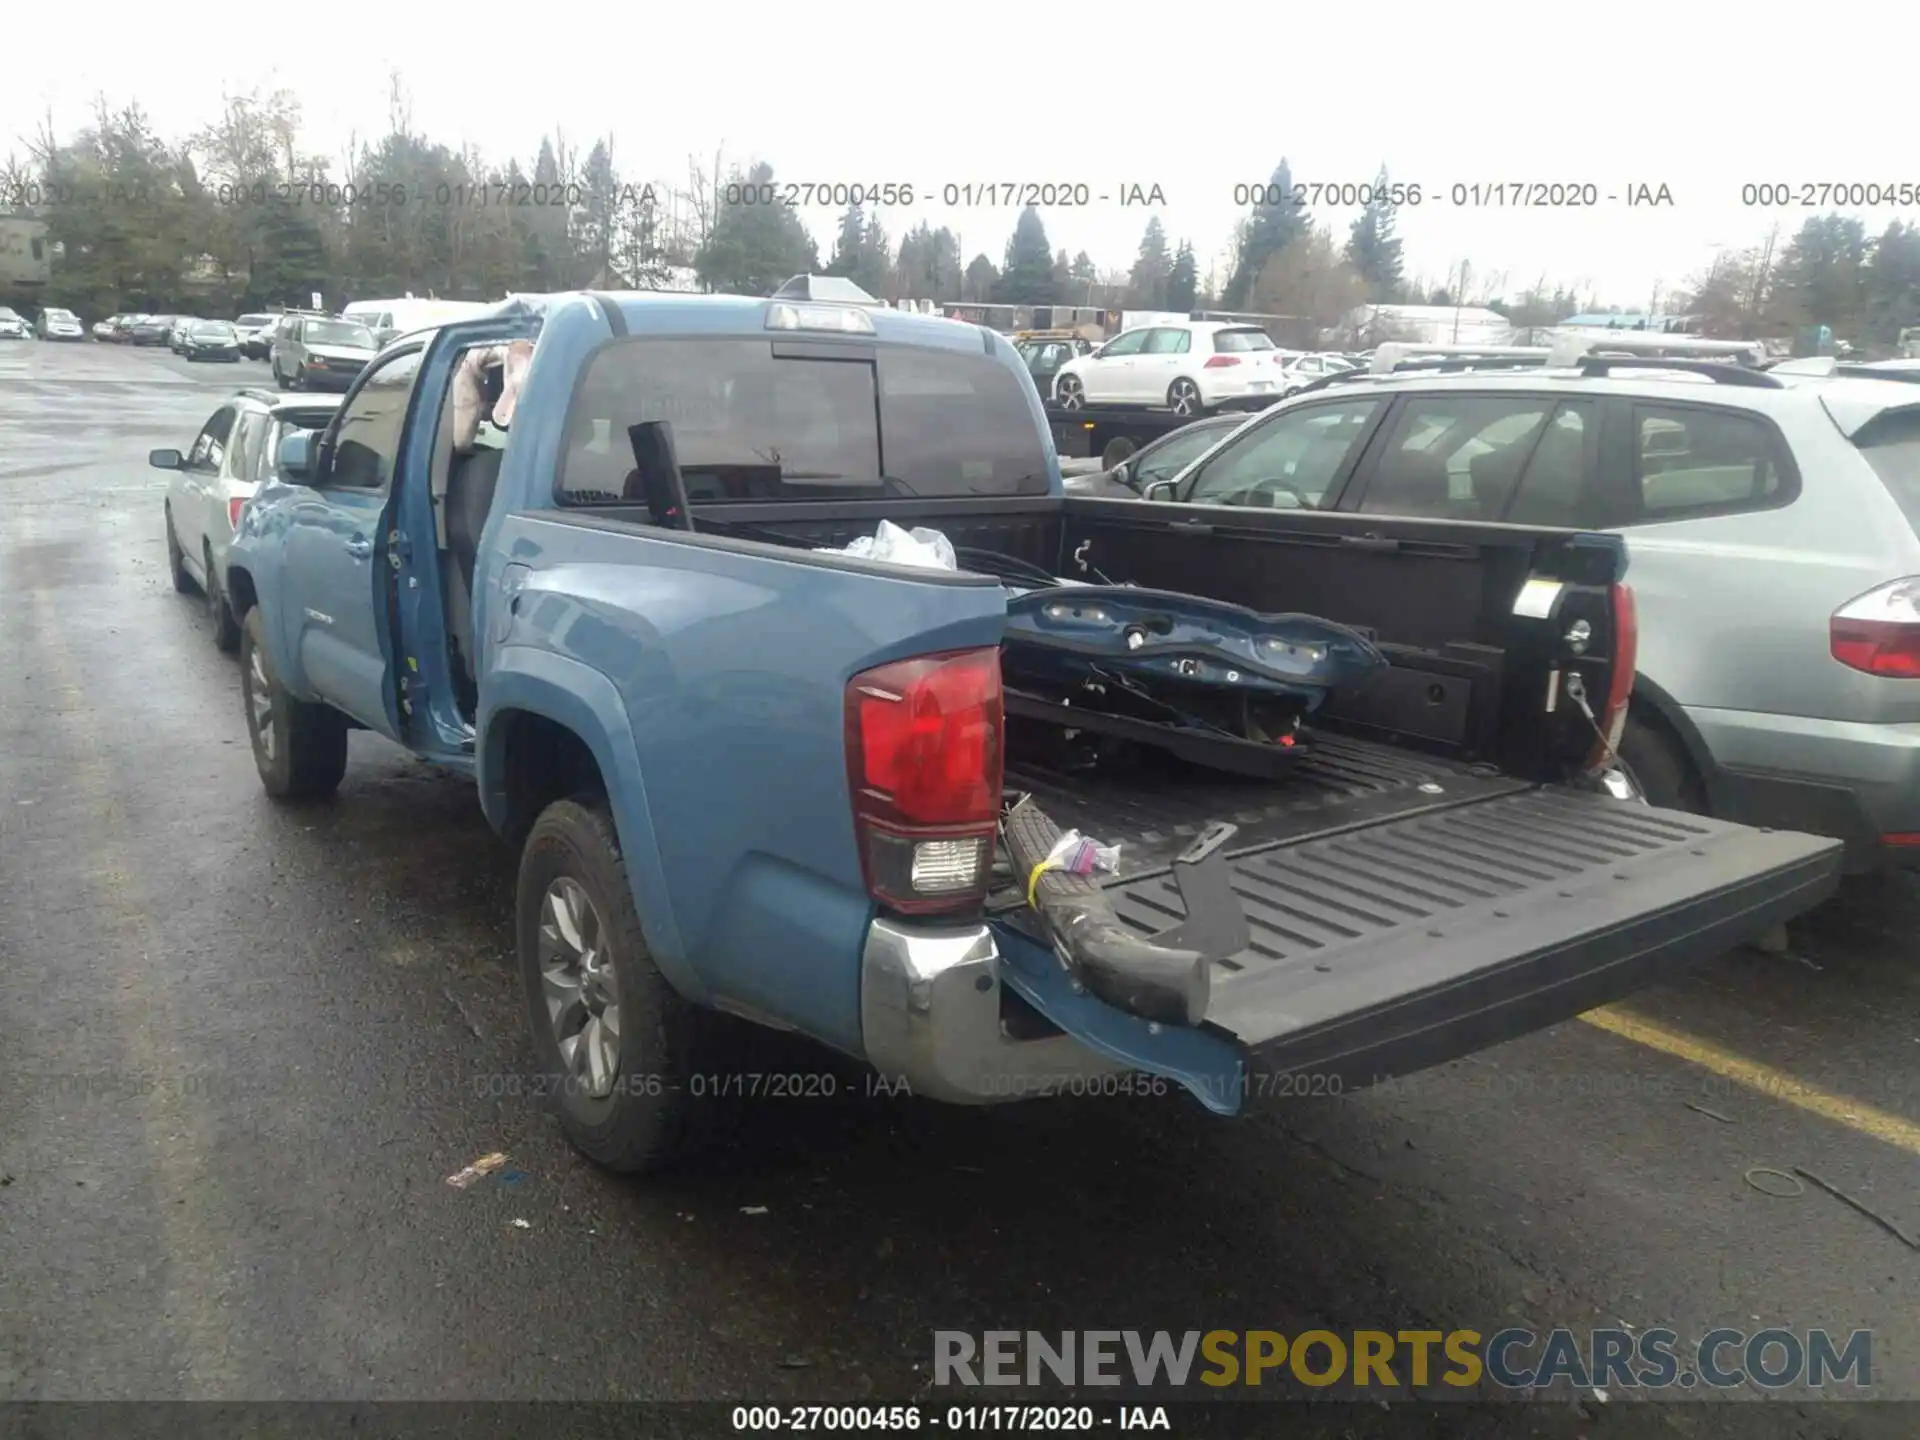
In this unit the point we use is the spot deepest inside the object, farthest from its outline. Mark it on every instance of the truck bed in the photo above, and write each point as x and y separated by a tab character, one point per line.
1405	910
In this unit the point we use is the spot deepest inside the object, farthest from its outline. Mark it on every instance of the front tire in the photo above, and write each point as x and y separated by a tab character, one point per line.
299	377
616	1044
300	749
1183	398
226	629
177	559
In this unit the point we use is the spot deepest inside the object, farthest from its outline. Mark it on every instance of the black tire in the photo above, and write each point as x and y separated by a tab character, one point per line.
1069	392
226	629
651	1115
279	379
177	560
299	381
1118	449
1183	398
308	742
1661	768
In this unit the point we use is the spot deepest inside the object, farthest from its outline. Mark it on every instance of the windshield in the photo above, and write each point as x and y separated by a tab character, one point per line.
338	332
1231	342
1891	443
60	315
752	425
253	322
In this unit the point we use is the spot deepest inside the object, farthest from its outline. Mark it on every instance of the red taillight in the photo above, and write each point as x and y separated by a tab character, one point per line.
1880	631
1626	655
924	764
1220	362
235	505
1903	838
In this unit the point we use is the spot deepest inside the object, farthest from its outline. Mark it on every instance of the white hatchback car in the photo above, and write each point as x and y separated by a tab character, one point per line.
1190	368
212	482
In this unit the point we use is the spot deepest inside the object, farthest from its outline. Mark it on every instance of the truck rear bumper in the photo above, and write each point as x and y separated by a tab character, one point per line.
930	1014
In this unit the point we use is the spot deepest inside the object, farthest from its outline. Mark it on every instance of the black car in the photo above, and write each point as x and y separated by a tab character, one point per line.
1162	460
152	329
211	340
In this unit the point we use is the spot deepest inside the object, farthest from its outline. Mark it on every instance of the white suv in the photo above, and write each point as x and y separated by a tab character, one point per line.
1189	367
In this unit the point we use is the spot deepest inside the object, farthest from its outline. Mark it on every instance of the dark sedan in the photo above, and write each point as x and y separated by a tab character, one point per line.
211	340
152	329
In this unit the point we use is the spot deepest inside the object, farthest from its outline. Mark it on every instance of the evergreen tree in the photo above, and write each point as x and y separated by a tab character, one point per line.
1269	229
1373	247
1027	276
1152	266
1183	282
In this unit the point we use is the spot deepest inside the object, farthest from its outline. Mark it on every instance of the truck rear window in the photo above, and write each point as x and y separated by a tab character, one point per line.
750	425
1891	443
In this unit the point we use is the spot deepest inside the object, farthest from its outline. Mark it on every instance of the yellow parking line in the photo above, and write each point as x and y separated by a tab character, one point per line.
1857	1116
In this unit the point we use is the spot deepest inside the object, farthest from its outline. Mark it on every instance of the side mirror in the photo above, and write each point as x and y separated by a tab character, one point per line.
166	460
1158	490
296	456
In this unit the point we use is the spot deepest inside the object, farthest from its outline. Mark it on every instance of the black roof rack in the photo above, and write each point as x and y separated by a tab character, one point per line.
1719	371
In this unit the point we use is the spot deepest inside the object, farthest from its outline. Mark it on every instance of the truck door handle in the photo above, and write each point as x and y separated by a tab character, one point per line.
359	549
1190	527
1370	542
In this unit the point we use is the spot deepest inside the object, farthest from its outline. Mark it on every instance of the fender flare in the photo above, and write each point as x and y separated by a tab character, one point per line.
575	695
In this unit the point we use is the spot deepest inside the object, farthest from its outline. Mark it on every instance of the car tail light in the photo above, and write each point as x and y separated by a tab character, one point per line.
1220	362
1626	656
1907	839
1880	631
235	506
924	764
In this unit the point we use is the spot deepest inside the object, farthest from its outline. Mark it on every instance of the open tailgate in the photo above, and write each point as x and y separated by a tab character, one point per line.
1378	950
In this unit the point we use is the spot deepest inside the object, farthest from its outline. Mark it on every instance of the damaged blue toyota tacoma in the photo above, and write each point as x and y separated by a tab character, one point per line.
806	696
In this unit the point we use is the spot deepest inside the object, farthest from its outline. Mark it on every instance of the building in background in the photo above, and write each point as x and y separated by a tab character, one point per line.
26	257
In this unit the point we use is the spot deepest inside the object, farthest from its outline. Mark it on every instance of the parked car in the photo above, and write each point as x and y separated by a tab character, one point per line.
152	329
57	324
1160	460
312	352
747	774
387	320
211	340
256	334
1773	519
178	332
1302	370
103	329
13	325
1188	368
214	479
123	326
1046	351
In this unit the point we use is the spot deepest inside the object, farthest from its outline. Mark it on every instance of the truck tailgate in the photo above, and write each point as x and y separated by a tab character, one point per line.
1385	942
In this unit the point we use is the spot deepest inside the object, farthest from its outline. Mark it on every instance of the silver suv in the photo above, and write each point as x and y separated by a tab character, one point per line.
1773	527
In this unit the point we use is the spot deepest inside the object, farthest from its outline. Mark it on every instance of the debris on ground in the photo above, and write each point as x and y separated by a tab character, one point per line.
485	1165
520	1224
1797	1190
455	999
1710	1114
753	1210
1865	1209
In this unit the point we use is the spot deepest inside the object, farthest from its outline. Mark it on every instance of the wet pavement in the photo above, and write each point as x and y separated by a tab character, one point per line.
242	1047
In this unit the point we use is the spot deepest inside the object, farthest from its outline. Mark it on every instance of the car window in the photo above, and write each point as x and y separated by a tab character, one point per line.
366	439
1891	443
1127	344
1178	450
243	449
210	448
1455	457
1167	342
1289	461
1553	488
1689	460
1238	342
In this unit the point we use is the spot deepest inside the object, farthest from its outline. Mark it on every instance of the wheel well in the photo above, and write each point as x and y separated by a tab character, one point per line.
1644	708
241	595
541	761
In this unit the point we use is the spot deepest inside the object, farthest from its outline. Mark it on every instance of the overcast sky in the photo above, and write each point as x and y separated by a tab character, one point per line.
1683	95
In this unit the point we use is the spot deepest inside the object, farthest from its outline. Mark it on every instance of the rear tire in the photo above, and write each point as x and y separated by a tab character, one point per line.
300	749
1661	767
651	1106
177	559
1118	449
1184	399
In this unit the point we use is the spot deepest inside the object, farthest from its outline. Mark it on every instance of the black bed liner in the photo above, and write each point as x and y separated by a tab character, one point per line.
1405	910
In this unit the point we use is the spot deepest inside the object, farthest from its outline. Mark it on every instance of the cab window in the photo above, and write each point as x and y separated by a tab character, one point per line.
1455	457
366	436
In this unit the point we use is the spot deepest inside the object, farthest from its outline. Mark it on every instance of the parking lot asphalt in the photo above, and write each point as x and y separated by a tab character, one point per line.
242	1047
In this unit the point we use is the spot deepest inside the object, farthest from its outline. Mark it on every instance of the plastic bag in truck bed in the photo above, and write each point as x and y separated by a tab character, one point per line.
918	546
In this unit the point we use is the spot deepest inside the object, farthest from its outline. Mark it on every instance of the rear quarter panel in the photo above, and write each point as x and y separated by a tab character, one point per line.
1734	609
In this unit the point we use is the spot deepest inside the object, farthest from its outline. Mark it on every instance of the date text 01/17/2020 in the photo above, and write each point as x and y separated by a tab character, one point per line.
844	1419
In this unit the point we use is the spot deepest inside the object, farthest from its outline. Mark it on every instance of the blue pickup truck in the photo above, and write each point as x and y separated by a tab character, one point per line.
748	771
